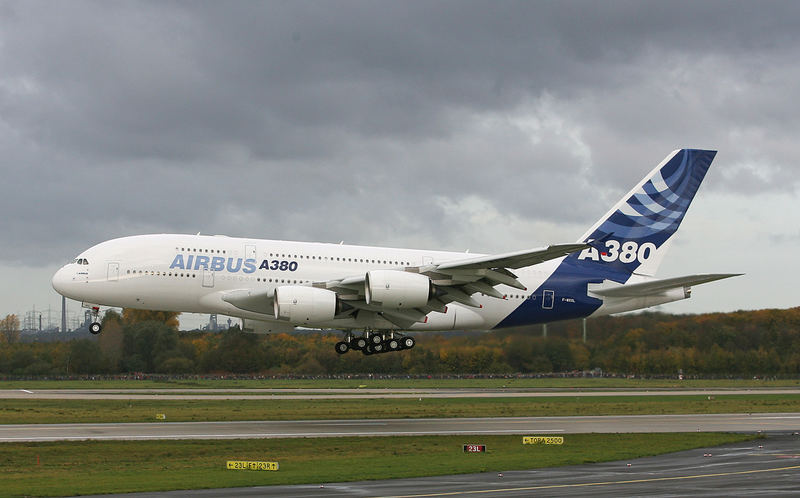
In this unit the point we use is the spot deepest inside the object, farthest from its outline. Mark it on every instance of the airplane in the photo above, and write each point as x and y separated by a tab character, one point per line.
376	294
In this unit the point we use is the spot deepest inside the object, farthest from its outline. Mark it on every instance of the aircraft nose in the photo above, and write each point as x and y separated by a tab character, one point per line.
61	280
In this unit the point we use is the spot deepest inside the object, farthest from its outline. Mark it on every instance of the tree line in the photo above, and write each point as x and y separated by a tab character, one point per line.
765	342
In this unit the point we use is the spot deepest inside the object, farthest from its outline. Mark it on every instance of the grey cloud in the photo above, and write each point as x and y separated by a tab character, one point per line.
347	120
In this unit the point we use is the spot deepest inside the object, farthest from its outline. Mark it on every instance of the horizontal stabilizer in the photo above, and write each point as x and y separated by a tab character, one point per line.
654	287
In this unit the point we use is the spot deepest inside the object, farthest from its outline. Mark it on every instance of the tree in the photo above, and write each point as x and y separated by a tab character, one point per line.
85	357
9	329
146	344
131	316
111	340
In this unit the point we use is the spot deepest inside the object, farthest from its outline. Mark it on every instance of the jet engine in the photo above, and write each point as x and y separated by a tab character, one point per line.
305	305
397	289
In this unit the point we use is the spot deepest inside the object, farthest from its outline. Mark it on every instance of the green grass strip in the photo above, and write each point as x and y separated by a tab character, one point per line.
497	383
71	468
21	411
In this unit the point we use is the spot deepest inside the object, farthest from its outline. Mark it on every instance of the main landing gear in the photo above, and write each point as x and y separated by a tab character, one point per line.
375	343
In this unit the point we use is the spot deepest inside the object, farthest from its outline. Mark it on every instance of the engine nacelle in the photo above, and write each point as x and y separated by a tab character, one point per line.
305	305
397	289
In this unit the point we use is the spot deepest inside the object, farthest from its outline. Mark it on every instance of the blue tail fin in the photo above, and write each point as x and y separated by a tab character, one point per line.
635	234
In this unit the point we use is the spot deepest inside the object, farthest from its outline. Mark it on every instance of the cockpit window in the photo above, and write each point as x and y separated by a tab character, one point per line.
82	261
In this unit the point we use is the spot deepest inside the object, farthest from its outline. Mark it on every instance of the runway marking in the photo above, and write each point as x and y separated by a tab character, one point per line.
357	424
586	484
99	437
26	391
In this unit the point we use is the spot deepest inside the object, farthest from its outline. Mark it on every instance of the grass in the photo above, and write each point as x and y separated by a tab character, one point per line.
71	468
43	411
465	382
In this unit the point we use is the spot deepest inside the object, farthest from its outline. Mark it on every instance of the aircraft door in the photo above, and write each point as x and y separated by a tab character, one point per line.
113	272
548	297
208	278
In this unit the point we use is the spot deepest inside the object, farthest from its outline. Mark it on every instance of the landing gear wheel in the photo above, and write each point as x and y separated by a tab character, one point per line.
358	343
408	342
375	339
392	344
342	347
95	328
378	348
368	350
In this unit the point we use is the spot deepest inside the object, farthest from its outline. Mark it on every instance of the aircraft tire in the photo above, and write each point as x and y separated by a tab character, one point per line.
378	348
95	328
375	339
358	343
342	347
392	345
408	342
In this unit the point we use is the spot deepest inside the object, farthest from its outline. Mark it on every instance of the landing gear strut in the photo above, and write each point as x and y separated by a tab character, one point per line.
375	343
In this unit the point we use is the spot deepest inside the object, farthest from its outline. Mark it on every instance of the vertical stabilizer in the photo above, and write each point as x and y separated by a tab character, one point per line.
635	234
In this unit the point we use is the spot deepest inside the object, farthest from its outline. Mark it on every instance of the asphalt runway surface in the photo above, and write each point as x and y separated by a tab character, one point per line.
767	467
232	394
763	422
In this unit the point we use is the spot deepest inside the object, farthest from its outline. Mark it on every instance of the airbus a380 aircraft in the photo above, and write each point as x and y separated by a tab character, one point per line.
276	285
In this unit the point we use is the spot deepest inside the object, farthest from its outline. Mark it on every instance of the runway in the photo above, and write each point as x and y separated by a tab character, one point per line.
254	394
768	467
765	422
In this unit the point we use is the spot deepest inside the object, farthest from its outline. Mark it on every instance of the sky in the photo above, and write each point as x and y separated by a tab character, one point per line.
455	125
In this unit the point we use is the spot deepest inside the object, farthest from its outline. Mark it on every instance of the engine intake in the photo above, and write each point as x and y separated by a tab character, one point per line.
397	289
305	305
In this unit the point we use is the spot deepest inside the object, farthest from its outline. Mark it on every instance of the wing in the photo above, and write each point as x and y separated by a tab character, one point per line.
453	281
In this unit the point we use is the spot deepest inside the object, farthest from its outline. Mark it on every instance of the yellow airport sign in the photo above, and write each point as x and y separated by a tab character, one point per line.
542	440
247	465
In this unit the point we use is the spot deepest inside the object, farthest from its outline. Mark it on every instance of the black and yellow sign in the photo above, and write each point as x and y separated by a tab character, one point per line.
474	448
542	440
245	465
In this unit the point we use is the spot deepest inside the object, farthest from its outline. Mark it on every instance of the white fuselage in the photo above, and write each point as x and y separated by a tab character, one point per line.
191	273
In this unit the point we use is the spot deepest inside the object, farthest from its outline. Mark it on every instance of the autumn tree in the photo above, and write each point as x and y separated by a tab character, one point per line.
131	316
111	340
9	329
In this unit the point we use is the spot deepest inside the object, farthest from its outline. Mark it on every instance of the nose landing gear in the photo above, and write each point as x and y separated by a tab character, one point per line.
95	327
375	343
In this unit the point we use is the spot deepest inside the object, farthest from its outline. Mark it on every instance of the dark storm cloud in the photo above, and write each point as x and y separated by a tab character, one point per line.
361	120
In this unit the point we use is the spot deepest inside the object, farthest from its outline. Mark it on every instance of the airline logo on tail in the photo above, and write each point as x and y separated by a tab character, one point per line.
639	225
